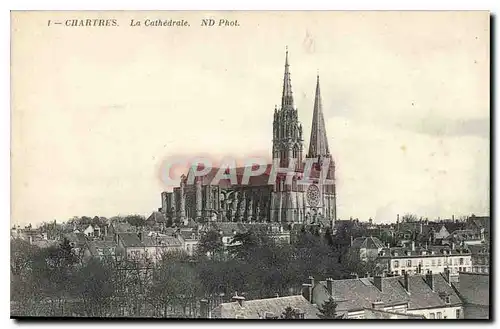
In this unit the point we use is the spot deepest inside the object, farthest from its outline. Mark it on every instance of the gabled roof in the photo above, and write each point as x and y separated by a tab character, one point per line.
354	294
367	243
477	249
478	222
107	247
256	309
162	241
130	239
465	235
76	238
122	227
156	217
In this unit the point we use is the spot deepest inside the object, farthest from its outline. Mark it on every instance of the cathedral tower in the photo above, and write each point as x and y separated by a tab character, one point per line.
287	130
318	149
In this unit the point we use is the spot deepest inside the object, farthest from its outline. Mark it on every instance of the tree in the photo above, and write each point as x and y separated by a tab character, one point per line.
210	243
173	284
95	285
136	220
328	310
289	313
409	218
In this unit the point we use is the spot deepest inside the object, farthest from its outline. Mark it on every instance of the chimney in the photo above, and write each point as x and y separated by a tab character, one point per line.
311	281
204	312
140	234
413	246
307	292
106	230
406	282
377	282
452	246
239	299
447	274
397	218
377	305
329	286
429	278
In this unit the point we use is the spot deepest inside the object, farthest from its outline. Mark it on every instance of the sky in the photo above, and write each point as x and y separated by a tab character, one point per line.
95	110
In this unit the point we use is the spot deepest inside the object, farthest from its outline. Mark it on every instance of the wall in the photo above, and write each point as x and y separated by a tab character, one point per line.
436	264
448	312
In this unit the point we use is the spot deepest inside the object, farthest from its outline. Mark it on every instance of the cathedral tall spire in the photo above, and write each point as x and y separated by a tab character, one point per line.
287	97
318	145
287	130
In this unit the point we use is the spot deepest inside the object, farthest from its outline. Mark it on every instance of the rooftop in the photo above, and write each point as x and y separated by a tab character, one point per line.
368	243
355	294
257	308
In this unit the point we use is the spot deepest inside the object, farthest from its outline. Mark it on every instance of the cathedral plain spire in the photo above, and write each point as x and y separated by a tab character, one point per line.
318	145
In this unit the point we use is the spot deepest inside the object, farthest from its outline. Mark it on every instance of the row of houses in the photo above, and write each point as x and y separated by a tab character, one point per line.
122	240
414	259
427	296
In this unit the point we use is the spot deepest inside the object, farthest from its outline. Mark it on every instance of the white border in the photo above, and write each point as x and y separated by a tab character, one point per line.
184	5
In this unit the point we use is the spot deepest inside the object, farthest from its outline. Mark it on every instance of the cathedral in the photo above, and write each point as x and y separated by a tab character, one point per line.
264	200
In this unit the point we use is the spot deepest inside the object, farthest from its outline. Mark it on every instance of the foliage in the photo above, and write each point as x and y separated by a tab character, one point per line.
328	310
409	218
253	264
136	220
289	313
95	284
210	243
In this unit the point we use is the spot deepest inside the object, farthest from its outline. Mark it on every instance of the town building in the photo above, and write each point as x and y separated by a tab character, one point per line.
100	249
479	224
480	258
366	248
419	260
265	199
268	308
142	248
430	295
157	220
